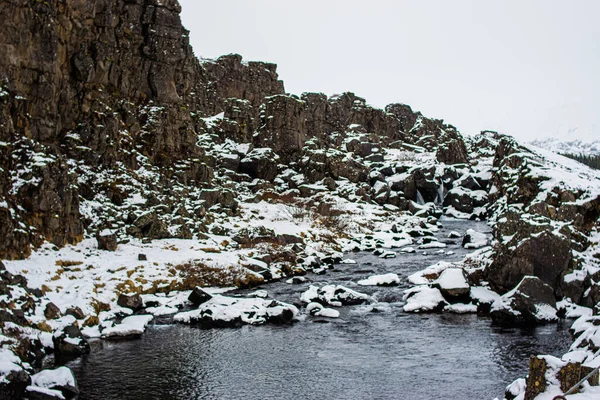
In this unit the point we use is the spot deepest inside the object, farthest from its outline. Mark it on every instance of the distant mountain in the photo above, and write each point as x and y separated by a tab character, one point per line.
577	147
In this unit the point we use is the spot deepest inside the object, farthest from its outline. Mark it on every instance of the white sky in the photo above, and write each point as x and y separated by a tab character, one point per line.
527	68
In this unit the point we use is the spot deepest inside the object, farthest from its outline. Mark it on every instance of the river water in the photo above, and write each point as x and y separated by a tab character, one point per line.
372	351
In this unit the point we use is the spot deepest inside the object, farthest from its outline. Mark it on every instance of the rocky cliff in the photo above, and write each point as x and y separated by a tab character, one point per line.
112	133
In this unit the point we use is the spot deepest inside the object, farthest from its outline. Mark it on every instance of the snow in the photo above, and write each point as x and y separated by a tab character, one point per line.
130	326
253	311
460	308
50	378
9	362
478	239
433	245
422	298
334	295
43	392
452	278
381	280
483	295
318	310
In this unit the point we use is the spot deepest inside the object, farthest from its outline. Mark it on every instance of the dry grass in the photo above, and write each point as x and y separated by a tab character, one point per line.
67	263
100	306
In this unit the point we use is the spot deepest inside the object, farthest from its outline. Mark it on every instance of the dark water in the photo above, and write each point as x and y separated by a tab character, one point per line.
362	355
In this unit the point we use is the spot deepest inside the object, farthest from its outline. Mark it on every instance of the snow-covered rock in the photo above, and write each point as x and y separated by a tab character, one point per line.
381	280
59	383
531	302
132	326
224	311
474	240
333	295
453	284
423	299
318	310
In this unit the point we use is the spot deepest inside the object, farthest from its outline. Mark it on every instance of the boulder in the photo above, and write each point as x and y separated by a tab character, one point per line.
546	256
474	240
75	312
549	370
225	311
70	342
453	285
60	379
260	163
333	295
453	152
531	302
424	299
13	385
132	301
107	240
198	296
52	311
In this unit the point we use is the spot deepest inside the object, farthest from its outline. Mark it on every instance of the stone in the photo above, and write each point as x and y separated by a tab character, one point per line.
75	312
142	257
52	311
107	241
545	369
199	296
260	163
70	342
132	301
13	385
546	256
531	302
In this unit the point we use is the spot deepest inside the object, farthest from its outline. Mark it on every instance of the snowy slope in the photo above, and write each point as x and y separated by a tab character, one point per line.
568	146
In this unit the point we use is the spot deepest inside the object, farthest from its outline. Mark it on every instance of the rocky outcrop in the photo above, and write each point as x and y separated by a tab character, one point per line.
546	256
530	302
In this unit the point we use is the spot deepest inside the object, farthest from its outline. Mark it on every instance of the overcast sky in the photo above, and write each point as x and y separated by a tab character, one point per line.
527	68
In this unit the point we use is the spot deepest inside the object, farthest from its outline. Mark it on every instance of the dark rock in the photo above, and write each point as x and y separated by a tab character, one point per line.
132	301
546	256
14	384
70	343
142	257
260	163
107	241
52	311
531	302
199	296
453	152
75	312
591	298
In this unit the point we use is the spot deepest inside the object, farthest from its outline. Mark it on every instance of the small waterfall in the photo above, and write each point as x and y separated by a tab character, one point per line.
420	200
439	199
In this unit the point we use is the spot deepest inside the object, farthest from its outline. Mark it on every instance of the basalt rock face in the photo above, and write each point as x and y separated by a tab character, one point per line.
99	99
102	87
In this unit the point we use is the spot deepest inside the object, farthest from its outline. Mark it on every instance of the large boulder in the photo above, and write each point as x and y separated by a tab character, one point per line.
260	163
546	256
13	384
453	152
531	302
60	380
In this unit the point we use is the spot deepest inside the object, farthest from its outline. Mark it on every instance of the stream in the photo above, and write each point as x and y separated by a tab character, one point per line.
374	351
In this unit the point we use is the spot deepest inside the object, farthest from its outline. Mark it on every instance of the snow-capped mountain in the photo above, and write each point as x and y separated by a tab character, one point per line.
568	146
